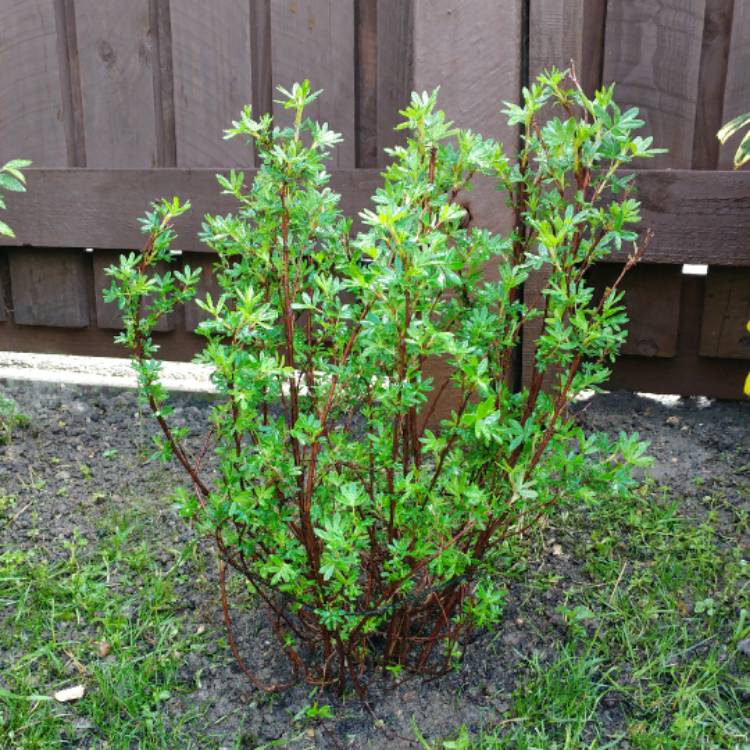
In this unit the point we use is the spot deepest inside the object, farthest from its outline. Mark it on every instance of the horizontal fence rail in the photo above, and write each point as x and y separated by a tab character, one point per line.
696	217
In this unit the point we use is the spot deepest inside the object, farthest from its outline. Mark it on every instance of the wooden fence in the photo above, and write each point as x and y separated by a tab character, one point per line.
121	102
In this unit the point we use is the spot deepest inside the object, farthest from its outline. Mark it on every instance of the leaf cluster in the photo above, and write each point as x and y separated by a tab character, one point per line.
742	155
13	180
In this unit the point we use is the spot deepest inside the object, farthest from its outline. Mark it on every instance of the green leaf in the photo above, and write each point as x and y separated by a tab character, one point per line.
732	127
17	164
742	156
8	182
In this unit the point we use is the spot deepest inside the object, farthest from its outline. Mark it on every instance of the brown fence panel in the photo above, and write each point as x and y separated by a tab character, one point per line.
121	103
53	295
724	331
456	47
652	50
688	372
560	31
315	39
737	88
686	67
211	51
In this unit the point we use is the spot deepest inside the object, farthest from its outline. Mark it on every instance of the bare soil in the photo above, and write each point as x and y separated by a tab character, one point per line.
83	456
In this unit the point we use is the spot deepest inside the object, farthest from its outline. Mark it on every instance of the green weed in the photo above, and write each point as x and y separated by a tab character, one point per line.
670	596
103	618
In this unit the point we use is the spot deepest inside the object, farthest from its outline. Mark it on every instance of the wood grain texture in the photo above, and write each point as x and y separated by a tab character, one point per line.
652	303
70	82
315	39
163	72
31	104
697	217
100	207
178	346
395	70
556	35
212	61
688	373
653	53
4	287
717	31
456	47
116	53
565	30
260	34
49	287
366	66
726	311
737	90
591	66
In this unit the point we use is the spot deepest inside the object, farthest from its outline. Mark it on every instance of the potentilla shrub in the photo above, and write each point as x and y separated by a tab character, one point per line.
371	535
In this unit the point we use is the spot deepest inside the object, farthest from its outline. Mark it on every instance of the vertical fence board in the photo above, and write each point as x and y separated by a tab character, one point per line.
31	107
556	30
456	47
726	312
107	313
652	302
653	52
123	98
556	35
592	45
70	82
315	39
260	34
384	75
4	288
395	69
49	294
366	68
116	54
713	71
212	64
163	81
737	90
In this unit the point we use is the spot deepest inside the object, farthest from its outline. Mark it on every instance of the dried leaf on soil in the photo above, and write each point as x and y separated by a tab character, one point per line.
70	694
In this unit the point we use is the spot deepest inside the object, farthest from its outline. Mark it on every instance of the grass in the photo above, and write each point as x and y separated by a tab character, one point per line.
103	616
651	659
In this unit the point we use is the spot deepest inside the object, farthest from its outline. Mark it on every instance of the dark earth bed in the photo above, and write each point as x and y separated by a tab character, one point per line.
82	458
